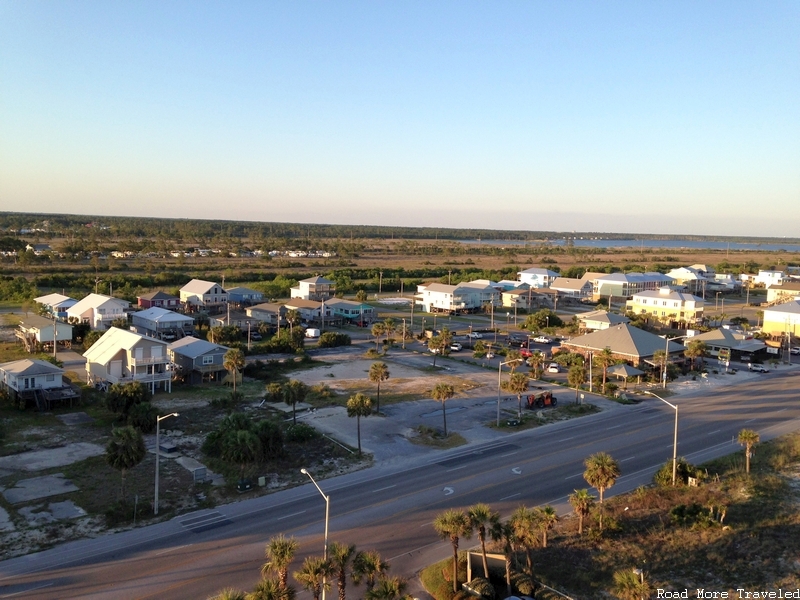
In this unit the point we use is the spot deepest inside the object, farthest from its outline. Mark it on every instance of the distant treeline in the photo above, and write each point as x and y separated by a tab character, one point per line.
185	230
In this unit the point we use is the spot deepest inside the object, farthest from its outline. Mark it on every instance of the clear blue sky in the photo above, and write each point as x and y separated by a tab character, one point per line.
671	117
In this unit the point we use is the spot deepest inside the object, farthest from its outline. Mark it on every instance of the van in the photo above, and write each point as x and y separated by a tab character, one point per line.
312	333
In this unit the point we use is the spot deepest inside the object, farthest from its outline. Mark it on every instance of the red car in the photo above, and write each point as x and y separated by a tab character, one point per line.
525	353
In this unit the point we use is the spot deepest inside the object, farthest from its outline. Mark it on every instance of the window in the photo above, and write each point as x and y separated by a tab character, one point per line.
51	378
208	360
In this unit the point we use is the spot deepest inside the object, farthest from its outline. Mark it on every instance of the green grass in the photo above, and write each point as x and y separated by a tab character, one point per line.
428	436
549	415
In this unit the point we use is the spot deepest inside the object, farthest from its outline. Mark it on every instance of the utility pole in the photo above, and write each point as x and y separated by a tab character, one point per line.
404	334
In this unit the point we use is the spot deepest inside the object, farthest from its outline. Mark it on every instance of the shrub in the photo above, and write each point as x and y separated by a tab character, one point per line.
332	339
693	515
122	512
684	470
523	583
301	432
483	587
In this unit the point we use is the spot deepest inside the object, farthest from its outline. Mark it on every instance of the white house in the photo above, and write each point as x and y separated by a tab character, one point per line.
690	278
202	294
314	288
464	297
667	303
98	310
768	278
571	287
36	381
537	277
596	320
121	356
34	329
628	284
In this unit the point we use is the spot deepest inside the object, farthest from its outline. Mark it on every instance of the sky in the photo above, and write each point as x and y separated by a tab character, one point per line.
644	117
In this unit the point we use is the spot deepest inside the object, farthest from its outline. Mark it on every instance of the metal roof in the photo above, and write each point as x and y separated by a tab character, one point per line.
624	339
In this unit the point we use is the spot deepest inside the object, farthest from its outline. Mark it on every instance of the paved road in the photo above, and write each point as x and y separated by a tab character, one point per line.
391	509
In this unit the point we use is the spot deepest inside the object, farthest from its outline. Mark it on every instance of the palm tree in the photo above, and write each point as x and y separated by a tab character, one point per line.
279	553
748	438
270	589
660	360
517	384
389	327
546	517
292	318
604	359
341	557
233	363
312	575
601	473
378	329
125	450
294	392
387	588
696	349
359	406
516	356
524	523
367	566
629	584
241	447
442	393
504	533
480	515
453	524
575	377
536	361
378	372
437	345
582	502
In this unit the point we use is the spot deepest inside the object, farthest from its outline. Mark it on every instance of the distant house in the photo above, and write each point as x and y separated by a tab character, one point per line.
198	361
310	311
162	324
689	278
537	277
244	296
454	299
56	304
38	249
724	339
121	356
572	288
203	295
314	288
596	320
627	343
522	298
237	319
159	300
783	292
37	381
768	278
678	307
34	330
704	270
352	312
267	312
626	285
98	310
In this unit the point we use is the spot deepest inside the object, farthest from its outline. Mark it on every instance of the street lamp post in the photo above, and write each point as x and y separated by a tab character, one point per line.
327	515
158	454
499	371
675	440
666	357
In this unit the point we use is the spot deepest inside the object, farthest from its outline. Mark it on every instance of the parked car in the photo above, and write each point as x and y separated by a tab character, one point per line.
543	339
525	353
255	336
553	368
475	335
757	368
517	340
435	350
794	350
455	347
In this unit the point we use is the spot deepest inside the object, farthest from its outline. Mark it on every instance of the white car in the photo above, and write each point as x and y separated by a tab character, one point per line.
542	339
553	368
794	350
475	335
455	347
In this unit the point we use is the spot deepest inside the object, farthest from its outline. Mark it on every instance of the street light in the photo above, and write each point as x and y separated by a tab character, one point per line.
675	441
666	357
327	514
158	454
499	371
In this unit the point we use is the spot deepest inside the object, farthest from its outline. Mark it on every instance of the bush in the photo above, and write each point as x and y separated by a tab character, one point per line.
523	583
301	432
269	434
693	515
332	339
122	512
482	586
227	402
684	470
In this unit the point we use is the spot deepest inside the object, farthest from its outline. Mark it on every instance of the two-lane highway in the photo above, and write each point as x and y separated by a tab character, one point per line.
391	511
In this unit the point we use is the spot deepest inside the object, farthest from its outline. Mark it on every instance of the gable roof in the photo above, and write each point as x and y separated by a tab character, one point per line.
37	322
29	367
624	339
442	288
592	275
316	280
538	271
603	316
159	295
192	347
569	283
96	301
727	339
792	308
243	290
114	340
300	303
668	294
158	314
53	299
199	286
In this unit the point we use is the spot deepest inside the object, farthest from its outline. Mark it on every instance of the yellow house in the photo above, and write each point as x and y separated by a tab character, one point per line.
781	319
666	303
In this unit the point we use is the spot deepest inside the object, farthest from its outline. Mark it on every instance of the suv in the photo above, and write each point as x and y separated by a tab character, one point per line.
794	350
757	368
553	368
455	347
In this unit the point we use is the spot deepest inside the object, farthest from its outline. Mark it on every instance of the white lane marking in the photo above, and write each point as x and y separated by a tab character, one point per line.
513	453
509	497
626	459
566	439
447	491
751	420
290	516
516	471
781	410
28	590
457	468
573	476
614	427
171	549
388	487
